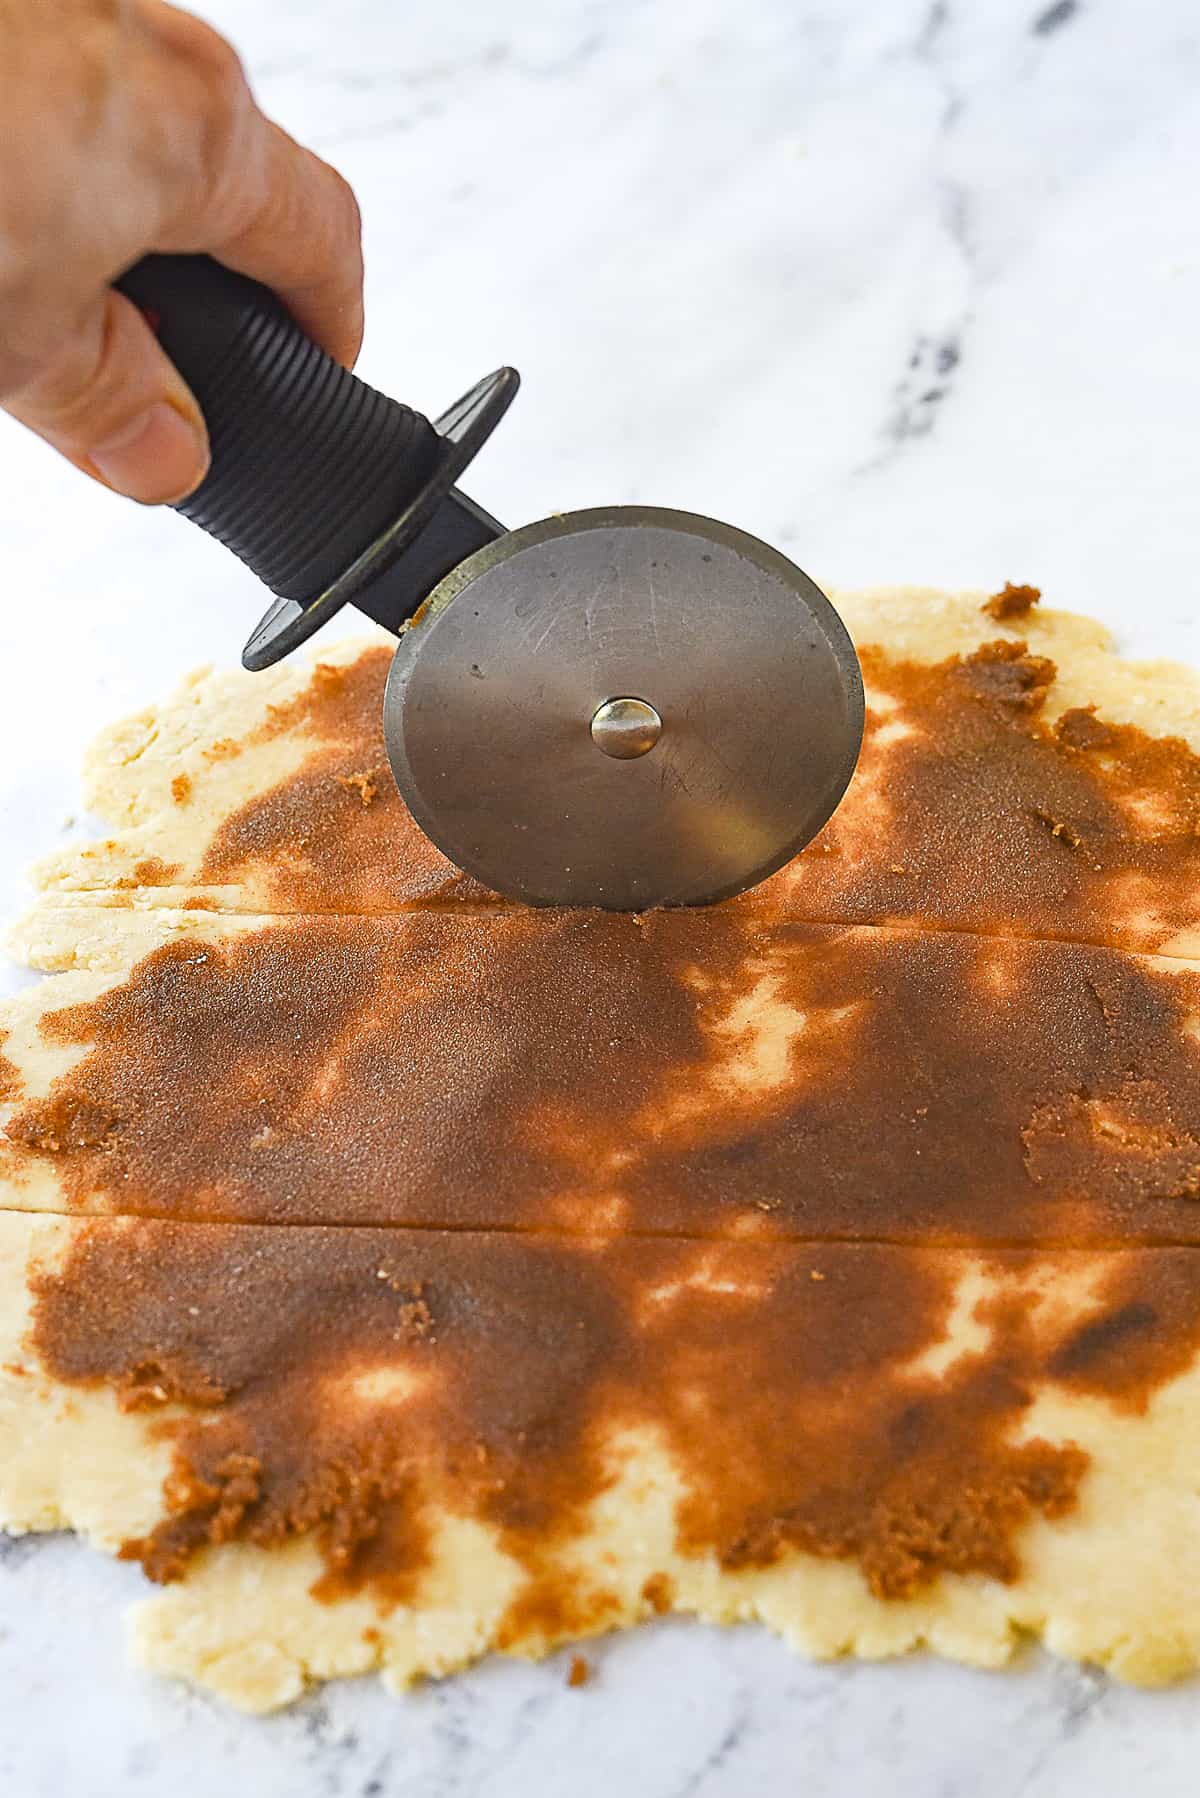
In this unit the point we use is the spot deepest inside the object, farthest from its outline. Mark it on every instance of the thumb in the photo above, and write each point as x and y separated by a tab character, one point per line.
111	401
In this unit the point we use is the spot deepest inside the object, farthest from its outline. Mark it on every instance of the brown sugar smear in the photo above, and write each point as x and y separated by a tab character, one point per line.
971	811
311	1418
355	1384
475	1072
798	1416
335	835
943	825
529	1220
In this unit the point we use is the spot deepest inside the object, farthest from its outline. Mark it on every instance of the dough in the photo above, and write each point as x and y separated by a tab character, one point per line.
399	1274
713	1073
270	793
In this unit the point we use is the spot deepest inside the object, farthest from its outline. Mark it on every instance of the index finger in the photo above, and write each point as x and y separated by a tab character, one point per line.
304	240
253	197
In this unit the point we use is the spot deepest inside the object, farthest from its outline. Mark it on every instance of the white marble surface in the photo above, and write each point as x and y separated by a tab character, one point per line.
912	290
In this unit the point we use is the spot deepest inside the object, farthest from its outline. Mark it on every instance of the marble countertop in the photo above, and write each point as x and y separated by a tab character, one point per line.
910	288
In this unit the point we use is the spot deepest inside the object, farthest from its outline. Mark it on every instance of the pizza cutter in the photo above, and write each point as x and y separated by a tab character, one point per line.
624	707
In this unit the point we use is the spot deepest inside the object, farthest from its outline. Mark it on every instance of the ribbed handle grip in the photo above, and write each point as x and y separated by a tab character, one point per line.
309	464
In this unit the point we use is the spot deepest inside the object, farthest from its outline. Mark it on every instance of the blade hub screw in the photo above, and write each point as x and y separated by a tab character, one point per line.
626	728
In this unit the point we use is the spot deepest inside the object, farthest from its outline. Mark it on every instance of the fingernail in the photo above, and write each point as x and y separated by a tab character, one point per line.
157	457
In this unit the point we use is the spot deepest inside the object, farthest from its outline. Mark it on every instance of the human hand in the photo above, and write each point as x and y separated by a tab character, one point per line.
129	127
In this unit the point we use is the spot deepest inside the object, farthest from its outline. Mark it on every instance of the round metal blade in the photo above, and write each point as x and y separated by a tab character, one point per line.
739	725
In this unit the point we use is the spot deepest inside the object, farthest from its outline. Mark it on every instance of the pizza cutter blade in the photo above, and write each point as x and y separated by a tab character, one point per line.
627	707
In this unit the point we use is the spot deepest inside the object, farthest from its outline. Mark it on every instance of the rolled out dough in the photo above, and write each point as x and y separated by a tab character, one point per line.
400	1275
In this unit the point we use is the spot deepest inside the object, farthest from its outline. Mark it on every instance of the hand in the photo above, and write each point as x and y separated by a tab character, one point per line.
129	127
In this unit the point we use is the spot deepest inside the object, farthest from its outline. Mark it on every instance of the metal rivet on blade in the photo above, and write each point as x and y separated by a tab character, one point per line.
626	728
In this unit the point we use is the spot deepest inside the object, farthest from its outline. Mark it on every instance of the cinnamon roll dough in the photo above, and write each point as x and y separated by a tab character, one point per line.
398	1274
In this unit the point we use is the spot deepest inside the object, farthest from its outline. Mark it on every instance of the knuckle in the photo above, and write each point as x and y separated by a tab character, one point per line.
221	110
209	56
67	398
80	389
221	67
337	208
348	200
224	98
213	75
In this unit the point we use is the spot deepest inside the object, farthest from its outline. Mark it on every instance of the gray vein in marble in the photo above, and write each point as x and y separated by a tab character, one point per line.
724	1750
448	73
15	1550
1054	18
435	88
432	91
456	1730
926	50
927	383
936	353
1077	1698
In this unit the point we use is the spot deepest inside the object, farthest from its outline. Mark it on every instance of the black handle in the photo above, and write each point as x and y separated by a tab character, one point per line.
309	464
329	491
